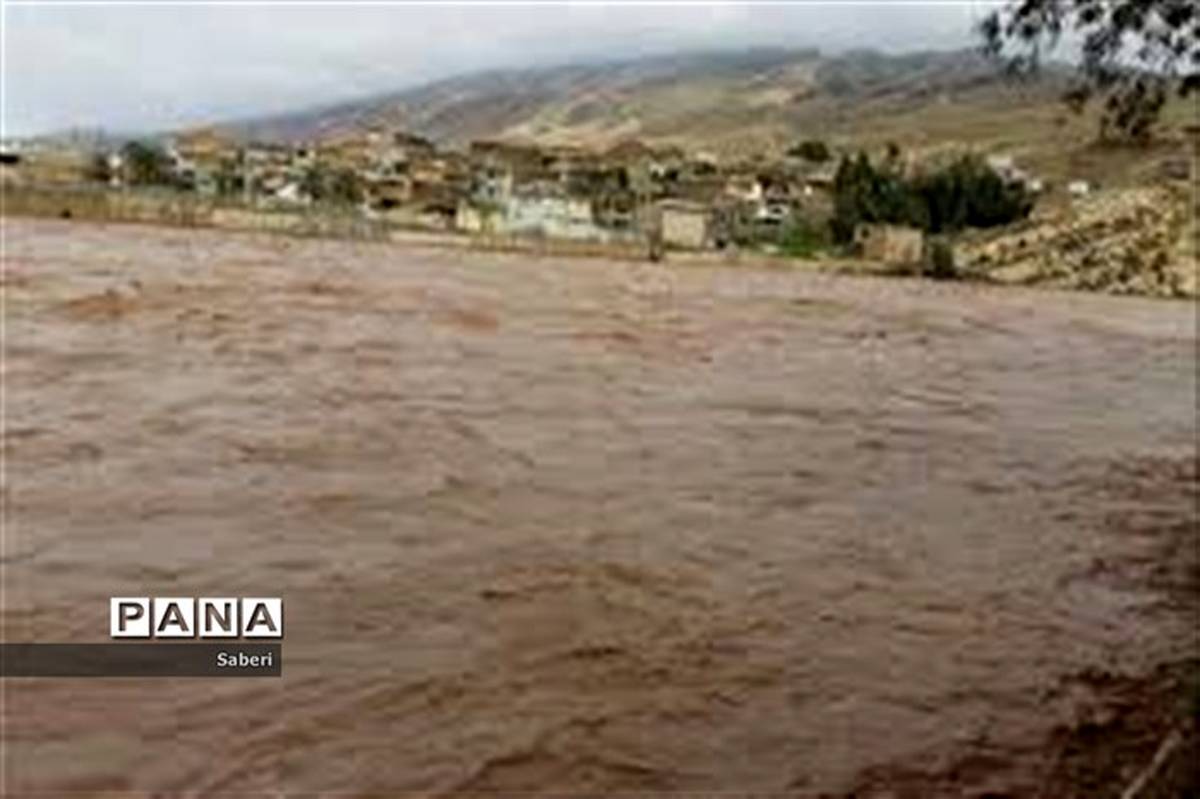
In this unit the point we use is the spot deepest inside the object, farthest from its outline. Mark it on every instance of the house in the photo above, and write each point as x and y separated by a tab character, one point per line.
667	165
472	218
544	209
410	146
204	145
554	216
198	156
395	154
890	244
436	203
540	208
386	192
271	183
772	213
492	184
684	224
525	162
351	151
563	163
291	193
616	210
264	168
819	180
265	155
745	188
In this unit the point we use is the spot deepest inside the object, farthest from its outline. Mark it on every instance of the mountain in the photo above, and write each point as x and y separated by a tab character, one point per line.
731	100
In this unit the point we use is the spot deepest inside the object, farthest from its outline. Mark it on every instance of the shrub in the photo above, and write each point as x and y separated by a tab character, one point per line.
802	239
336	186
811	150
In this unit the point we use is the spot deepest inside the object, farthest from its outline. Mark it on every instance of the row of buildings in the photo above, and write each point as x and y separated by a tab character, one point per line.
622	193
626	193
506	188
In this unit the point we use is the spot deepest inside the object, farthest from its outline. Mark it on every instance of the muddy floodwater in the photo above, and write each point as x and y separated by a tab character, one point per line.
546	525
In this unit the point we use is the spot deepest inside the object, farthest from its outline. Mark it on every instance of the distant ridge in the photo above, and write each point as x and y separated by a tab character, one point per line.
722	99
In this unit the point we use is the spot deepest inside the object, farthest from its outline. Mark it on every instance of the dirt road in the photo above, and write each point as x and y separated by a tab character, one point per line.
578	525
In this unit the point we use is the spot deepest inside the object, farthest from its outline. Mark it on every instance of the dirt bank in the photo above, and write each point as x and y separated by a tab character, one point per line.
545	525
1133	241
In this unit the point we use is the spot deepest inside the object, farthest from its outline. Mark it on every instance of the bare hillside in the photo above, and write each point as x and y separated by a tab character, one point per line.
725	100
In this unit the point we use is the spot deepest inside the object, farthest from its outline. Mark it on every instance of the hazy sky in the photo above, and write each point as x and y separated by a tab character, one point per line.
127	67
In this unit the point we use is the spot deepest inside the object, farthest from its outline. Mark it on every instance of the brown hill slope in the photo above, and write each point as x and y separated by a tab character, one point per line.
728	101
758	102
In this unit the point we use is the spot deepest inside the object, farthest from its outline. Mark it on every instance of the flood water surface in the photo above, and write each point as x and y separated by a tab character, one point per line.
545	525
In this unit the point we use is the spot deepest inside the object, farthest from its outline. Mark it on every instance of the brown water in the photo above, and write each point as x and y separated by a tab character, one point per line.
577	526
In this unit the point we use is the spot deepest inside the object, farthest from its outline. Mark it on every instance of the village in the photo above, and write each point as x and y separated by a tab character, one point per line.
657	197
949	212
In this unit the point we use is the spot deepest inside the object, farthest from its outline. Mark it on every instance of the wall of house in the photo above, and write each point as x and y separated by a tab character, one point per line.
686	229
552	217
473	219
890	243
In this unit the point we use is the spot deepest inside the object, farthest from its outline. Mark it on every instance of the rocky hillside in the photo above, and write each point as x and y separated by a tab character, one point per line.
723	100
1133	241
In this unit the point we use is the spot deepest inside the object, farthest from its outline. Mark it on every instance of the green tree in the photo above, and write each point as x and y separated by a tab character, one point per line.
968	193
863	193
98	169
146	164
1133	53
340	186
345	187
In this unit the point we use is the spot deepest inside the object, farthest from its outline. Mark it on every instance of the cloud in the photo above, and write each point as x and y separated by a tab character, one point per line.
147	67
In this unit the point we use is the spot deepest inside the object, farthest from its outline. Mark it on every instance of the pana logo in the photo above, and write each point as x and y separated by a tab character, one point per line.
185	617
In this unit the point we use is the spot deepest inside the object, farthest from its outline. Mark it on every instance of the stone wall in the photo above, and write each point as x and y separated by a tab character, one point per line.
105	205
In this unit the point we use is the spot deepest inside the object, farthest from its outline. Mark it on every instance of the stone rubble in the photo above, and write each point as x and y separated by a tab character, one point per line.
1132	241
